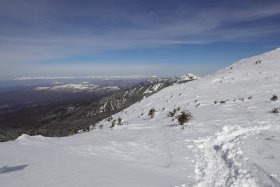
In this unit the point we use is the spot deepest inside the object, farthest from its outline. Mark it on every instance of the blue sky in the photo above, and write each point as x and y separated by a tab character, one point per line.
132	37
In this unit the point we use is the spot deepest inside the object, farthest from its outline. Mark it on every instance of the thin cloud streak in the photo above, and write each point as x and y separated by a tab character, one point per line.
103	70
34	31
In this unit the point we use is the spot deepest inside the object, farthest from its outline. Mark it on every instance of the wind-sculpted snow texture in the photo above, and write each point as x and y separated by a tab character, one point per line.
232	140
223	162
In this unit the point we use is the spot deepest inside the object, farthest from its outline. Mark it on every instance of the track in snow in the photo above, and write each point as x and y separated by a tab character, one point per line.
223	163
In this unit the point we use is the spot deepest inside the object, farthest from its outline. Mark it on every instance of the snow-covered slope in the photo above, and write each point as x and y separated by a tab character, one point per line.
232	140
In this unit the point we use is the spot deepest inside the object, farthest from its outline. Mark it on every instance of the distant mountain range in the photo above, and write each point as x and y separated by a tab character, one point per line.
74	106
82	87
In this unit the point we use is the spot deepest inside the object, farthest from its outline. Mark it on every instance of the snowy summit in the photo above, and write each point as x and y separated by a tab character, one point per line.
153	79
189	77
232	139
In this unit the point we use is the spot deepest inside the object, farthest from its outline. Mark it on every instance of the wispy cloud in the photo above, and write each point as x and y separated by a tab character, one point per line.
32	31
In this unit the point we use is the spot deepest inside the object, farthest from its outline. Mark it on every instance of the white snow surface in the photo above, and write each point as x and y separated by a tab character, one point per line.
153	88
236	143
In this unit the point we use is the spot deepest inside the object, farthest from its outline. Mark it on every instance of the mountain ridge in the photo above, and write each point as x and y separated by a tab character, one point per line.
232	139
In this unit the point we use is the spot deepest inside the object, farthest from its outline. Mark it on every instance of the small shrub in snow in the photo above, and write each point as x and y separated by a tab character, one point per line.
72	132
81	131
215	102
86	129
172	114
113	124
109	118
197	105
275	111
91	127
274	98
120	121
184	117
241	99
100	126
151	113
250	97
222	102
32	133
258	61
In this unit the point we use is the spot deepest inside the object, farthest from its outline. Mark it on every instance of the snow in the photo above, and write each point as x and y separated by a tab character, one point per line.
41	88
111	88
125	94
153	88
188	77
223	162
76	88
156	87
102	108
231	143
132	91
153	80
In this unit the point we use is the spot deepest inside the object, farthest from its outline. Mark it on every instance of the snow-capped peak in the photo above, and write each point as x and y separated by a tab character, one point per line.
153	79
188	77
74	87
